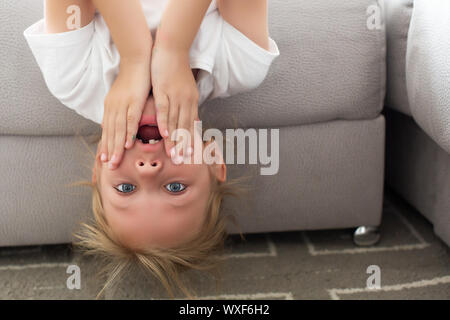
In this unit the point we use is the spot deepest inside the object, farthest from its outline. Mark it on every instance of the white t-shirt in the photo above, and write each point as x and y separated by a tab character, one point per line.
80	66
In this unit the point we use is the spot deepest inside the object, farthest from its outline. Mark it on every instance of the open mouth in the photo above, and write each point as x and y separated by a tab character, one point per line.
149	134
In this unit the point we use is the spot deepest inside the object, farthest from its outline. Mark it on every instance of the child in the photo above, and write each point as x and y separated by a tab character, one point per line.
148	209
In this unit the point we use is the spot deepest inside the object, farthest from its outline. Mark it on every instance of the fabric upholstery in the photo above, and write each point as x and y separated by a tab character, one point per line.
419	170
331	67
330	176
397	17
428	69
324	92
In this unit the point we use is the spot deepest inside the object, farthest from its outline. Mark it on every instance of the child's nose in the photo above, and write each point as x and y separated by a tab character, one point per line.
148	165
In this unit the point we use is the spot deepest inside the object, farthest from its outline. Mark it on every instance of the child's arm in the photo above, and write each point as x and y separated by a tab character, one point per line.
56	15
126	99
249	17
174	87
128	27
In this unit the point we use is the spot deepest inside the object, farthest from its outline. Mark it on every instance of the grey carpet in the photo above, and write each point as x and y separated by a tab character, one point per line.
413	262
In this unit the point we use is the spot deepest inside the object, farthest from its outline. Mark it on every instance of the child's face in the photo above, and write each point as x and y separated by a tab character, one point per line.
157	202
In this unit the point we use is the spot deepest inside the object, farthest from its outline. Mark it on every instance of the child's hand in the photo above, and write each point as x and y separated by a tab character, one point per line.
123	109
175	92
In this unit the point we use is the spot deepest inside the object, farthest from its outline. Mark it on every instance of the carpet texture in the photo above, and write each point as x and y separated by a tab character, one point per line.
413	264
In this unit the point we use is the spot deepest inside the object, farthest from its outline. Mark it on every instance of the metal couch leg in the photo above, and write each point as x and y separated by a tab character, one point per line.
366	236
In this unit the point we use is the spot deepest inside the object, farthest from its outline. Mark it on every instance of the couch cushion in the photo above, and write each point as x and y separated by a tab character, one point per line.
398	15
330	176
332	66
27	107
428	69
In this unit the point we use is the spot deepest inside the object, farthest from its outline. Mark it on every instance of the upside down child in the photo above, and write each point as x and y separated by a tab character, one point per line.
140	69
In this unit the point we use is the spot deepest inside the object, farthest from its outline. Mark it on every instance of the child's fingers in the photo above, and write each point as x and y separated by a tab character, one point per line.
162	112
133	119
119	138
184	122
172	123
104	141
110	136
194	117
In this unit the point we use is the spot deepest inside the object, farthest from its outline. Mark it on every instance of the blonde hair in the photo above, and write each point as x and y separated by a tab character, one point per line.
201	253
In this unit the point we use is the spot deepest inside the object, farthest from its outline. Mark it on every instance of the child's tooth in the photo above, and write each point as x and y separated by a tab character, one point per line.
153	141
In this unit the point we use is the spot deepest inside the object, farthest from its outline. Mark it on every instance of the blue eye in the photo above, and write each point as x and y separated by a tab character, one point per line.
127	189
175	187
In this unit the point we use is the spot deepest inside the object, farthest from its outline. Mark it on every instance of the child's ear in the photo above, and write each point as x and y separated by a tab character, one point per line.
220	168
220	171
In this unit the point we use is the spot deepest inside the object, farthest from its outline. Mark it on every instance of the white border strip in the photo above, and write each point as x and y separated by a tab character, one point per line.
50	288
34	266
414	232
334	293
421	245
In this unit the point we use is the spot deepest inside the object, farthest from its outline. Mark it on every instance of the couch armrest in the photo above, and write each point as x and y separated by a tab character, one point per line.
428	69
398	16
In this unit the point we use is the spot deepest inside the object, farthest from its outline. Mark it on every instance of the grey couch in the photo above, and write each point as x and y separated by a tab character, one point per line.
325	94
418	113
